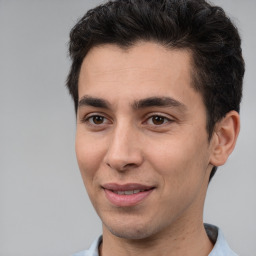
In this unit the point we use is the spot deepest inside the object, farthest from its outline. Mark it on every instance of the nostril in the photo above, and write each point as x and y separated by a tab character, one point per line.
130	165
120	167
108	165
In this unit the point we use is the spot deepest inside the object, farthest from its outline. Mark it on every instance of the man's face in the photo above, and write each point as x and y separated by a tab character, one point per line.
141	141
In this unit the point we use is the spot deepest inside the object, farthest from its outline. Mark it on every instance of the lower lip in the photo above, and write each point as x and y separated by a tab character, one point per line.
126	200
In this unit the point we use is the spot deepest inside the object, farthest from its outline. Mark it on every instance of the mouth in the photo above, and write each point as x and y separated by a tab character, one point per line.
128	192
126	195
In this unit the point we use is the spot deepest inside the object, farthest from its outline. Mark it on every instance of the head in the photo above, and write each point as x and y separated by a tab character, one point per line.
195	49
205	30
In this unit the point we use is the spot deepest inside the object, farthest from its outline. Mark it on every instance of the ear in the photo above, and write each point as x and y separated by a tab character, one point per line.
224	138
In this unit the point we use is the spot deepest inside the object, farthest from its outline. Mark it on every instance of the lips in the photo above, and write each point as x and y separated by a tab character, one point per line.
126	195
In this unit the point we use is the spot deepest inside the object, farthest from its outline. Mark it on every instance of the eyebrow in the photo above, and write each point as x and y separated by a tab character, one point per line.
93	102
158	102
137	104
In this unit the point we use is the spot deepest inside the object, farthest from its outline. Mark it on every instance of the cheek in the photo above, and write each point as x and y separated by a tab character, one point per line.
180	160
89	153
182	169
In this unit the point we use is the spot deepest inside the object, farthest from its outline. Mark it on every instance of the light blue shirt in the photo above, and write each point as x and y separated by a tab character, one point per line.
220	248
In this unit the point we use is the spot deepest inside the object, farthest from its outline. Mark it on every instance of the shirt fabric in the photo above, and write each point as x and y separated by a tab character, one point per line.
220	248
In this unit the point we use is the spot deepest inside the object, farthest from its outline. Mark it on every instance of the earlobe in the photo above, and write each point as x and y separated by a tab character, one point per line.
224	138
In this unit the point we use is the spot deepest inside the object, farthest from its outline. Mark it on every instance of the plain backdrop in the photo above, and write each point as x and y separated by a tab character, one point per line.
44	209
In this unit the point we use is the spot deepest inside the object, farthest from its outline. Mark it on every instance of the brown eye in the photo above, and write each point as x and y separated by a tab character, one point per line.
158	120
97	120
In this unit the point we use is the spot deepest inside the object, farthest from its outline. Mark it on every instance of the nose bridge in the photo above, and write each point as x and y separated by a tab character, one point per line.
124	149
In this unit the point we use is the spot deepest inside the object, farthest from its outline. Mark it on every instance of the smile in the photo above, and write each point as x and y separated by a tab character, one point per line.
126	195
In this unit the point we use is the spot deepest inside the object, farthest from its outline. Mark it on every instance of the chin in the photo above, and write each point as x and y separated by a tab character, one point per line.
131	231
134	234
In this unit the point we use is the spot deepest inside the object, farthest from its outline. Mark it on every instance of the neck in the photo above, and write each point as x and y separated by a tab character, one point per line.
189	241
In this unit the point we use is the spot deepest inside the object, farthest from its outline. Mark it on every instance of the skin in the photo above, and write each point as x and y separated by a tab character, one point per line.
121	140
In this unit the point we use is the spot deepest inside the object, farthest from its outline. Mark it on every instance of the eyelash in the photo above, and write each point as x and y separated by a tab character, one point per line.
159	117
165	120
87	119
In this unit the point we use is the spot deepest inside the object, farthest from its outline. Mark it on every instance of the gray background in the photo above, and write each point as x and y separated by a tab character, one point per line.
44	209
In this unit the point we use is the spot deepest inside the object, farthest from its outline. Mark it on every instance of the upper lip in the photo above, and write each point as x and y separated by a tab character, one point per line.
126	187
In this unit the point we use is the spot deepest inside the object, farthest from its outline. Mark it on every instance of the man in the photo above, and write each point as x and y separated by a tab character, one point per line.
157	86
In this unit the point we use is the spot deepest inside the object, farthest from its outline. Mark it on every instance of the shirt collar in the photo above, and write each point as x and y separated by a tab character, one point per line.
221	247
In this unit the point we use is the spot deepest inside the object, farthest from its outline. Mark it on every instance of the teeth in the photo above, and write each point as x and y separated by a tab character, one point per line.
128	192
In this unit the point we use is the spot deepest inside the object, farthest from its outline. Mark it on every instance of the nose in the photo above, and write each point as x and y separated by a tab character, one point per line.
124	151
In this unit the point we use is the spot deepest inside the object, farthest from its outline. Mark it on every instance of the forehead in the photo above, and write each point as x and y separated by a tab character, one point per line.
143	55
145	69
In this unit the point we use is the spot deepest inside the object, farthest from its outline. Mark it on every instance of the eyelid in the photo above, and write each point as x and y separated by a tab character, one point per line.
150	123
168	117
85	118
